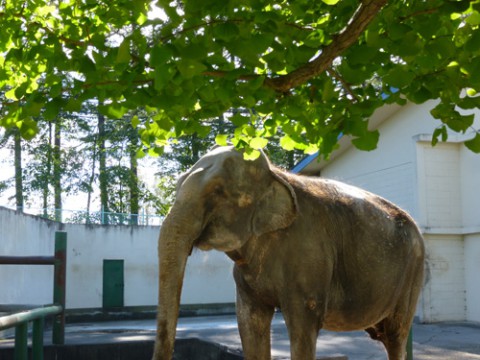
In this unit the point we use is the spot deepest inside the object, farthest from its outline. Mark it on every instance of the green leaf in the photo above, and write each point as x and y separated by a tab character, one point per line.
160	55
155	152
226	31
439	132
328	91
140	154
355	125
113	110
473	41
10	94
162	75
420	96
52	108
399	77
189	68
221	139
73	105
471	92
457	122
315	39
287	143
135	121
251	154
123	55
45	10
33	108
474	143
258	143
473	19
28	128
331	2
239	120
368	141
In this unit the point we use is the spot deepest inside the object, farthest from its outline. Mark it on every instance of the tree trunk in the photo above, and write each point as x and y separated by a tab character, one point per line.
133	181
90	181
18	171
195	148
48	171
57	170
102	161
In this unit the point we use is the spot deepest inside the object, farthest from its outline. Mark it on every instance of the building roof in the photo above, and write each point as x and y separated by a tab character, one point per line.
313	164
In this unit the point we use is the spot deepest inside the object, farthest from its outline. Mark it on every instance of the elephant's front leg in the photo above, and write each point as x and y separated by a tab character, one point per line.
254	322
304	320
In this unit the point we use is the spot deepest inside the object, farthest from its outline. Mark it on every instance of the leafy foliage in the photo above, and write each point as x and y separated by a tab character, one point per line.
305	71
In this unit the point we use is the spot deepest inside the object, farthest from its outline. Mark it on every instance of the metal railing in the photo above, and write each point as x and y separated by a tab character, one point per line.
410	345
20	320
71	216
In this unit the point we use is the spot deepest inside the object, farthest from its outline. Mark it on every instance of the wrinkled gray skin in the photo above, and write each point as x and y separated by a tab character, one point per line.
327	254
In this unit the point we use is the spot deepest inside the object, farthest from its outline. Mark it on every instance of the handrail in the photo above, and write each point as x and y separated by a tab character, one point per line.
12	320
21	319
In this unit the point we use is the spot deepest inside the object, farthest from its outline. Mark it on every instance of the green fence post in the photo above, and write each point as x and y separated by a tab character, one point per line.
58	333
410	345
21	341
37	339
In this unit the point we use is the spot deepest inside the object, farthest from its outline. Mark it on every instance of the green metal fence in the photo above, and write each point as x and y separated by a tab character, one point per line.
69	216
20	320
410	345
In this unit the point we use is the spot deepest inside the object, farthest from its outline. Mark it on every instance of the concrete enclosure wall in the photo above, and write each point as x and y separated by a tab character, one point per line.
208	278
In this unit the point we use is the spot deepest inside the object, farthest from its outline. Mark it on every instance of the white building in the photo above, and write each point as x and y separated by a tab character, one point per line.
439	186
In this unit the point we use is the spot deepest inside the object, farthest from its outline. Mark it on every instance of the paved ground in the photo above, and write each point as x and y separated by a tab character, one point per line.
439	341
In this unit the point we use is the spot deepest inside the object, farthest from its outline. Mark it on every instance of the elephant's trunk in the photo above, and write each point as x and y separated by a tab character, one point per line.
175	244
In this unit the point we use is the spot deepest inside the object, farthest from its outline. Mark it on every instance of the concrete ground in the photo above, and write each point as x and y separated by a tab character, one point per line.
430	341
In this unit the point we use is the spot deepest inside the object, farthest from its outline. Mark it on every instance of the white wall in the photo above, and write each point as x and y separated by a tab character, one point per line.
208	277
389	170
444	294
470	179
440	192
472	276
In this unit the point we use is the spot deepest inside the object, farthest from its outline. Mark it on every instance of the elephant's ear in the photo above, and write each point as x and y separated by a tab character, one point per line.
277	208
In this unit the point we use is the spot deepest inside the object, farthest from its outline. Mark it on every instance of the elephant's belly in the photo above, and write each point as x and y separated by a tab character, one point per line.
346	321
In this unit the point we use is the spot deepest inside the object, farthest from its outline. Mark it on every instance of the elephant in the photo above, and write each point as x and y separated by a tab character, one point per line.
327	254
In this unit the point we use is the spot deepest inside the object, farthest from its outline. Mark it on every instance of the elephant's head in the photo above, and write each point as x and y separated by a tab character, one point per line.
221	203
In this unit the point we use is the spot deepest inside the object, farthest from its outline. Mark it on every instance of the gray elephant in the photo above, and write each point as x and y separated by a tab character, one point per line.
327	254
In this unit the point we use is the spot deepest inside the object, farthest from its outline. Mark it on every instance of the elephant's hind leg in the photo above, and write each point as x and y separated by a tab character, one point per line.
393	334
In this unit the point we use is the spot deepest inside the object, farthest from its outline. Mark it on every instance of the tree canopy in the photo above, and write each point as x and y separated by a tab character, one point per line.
304	71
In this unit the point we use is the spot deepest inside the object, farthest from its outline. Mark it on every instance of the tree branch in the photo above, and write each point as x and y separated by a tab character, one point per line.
342	81
363	16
